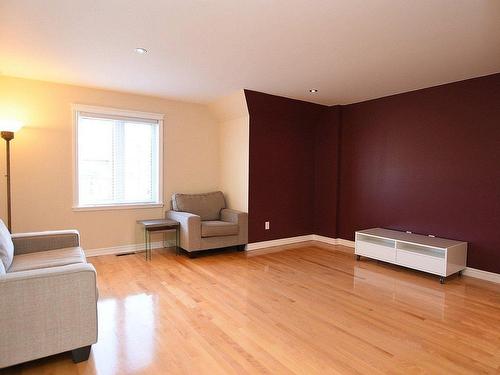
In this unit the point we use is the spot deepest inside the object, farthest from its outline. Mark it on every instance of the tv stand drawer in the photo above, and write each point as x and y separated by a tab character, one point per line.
421	262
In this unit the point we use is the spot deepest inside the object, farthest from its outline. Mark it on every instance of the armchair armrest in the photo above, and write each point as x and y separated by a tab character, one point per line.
25	243
238	217
46	311
190	229
232	216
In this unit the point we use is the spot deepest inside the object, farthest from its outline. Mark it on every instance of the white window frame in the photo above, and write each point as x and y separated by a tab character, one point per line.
76	108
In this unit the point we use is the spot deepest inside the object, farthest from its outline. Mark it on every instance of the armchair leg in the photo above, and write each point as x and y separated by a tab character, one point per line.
81	354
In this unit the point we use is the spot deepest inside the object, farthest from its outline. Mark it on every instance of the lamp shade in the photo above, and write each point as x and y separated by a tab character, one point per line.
7	125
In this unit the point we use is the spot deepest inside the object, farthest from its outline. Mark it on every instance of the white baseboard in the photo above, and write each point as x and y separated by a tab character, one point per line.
127	248
328	240
292	240
348	243
484	275
278	242
333	241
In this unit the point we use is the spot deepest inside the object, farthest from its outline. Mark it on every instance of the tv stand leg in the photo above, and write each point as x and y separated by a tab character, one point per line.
358	257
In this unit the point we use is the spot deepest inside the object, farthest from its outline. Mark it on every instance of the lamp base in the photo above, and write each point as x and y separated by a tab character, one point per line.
8	136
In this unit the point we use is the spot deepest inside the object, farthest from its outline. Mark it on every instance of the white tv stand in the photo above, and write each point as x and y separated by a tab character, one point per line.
430	254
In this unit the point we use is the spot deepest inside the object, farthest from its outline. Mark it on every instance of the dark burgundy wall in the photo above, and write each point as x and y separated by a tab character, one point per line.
427	161
281	170
326	149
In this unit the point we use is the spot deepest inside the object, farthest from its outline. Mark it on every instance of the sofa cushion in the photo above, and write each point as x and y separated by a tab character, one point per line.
47	259
207	206
216	228
6	246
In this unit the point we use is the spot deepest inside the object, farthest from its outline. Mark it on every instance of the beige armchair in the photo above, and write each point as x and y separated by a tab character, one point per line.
206	223
48	298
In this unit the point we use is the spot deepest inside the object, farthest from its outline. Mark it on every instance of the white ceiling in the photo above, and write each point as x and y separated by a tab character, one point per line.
199	50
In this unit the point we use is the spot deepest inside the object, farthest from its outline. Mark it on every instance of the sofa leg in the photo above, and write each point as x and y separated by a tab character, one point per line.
240	247
81	354
192	254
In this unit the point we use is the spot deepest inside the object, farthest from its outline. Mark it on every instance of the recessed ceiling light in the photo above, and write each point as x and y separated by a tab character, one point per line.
312	91
141	51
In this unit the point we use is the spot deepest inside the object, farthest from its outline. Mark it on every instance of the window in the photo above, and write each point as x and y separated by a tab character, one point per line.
118	158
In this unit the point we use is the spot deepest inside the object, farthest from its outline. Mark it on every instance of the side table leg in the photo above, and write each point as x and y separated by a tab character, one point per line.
148	245
146	242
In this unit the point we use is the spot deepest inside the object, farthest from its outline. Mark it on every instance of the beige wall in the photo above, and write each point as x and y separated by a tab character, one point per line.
42	170
232	114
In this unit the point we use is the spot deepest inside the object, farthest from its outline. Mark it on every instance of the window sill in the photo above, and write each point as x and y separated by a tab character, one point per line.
118	207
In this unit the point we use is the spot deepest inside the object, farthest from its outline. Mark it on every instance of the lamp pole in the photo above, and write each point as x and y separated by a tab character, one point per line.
8	136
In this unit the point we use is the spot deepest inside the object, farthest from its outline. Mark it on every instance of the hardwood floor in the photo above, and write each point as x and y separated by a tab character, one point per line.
308	310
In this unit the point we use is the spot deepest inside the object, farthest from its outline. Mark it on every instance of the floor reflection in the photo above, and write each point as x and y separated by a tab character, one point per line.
428	296
105	352
126	329
139	328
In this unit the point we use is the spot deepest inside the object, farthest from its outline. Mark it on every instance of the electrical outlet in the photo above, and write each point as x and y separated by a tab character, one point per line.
266	225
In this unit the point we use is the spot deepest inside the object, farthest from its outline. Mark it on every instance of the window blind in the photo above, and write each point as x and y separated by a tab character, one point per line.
118	160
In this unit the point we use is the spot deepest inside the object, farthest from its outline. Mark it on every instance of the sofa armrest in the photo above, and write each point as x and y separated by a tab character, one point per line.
47	311
25	243
240	218
190	229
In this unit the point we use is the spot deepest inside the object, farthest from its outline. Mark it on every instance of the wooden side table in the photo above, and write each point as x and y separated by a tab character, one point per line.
158	226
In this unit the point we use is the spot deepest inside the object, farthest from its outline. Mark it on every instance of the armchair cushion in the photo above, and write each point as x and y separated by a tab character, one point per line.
207	206
217	228
6	246
47	259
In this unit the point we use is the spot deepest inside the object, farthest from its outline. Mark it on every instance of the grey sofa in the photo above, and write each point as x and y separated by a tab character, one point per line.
206	223
48	298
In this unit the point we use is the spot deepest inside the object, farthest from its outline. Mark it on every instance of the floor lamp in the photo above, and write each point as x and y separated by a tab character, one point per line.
7	128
